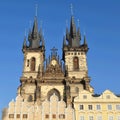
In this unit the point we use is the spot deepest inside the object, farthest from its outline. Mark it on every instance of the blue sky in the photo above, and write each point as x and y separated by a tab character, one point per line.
100	20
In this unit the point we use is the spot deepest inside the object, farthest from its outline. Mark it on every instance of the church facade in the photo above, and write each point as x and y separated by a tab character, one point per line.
54	90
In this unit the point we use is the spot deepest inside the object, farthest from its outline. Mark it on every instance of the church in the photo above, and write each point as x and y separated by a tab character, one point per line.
57	88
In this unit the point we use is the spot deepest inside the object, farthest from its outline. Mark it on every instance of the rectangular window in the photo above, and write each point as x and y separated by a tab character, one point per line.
90	107
11	115
82	118
98	107
84	96
99	117
81	107
46	116
109	107
28	62
25	116
90	117
62	116
117	107
53	116
18	115
118	117
110	118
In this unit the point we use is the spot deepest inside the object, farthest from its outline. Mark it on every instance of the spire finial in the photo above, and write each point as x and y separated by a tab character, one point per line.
36	9
71	7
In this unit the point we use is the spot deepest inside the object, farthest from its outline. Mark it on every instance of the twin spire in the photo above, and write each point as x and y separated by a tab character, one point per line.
71	39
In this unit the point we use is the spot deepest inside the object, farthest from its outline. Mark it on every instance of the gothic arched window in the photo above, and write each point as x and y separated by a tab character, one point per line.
76	63
33	62
53	91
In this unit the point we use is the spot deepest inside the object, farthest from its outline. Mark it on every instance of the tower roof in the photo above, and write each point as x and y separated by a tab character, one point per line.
36	39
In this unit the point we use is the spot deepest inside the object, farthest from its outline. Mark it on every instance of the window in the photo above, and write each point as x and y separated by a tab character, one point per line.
90	107
81	107
30	98
33	62
76	89
53	116
75	63
84	96
118	117
99	117
109	107
28	63
110	118
90	117
24	115
117	107
81	117
46	116
98	107
18	115
61	116
108	96
11	115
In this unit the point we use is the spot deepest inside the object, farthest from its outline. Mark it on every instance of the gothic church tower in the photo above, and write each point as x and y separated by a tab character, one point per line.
75	59
34	55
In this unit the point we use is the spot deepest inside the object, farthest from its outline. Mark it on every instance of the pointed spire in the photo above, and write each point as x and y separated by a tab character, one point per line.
41	35
72	28
64	40
25	42
35	28
85	42
67	34
78	31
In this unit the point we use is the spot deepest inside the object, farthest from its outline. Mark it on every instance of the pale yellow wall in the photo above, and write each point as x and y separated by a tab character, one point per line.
38	112
102	100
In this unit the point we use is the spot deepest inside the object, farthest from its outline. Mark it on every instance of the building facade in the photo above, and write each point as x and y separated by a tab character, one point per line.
54	90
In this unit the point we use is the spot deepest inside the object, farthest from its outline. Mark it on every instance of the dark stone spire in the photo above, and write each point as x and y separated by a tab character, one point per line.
73	36
72	28
25	43
64	41
34	37
85	42
42	37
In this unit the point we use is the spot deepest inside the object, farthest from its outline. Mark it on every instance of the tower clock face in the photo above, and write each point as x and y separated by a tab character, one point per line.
54	62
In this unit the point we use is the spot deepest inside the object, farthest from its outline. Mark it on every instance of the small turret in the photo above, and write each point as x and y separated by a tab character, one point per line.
25	42
85	42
